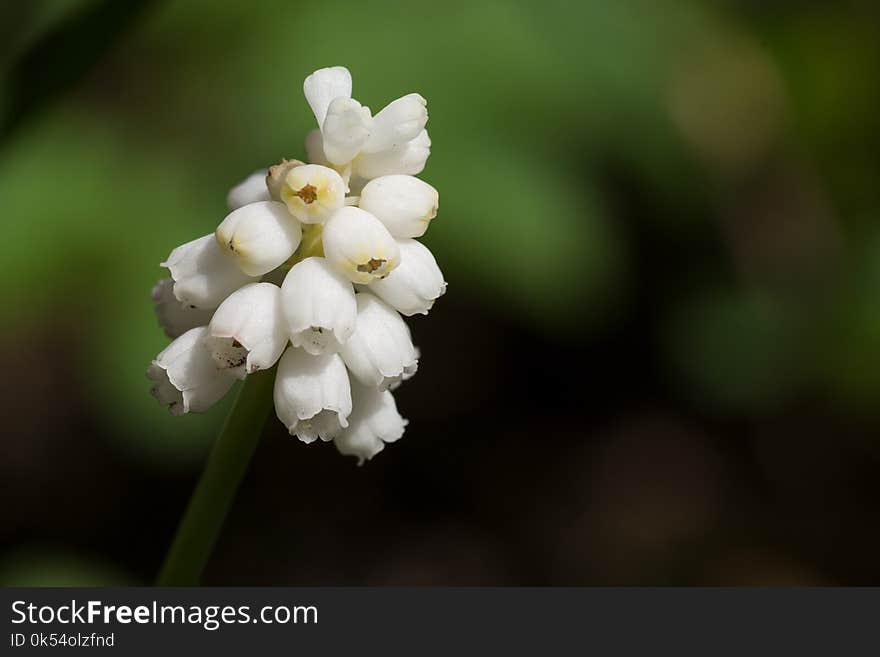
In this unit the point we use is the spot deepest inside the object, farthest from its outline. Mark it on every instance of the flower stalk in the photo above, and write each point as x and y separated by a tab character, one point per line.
217	487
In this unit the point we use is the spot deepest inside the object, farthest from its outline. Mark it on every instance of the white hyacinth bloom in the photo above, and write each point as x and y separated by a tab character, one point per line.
404	204
380	352
174	317
346	129
408	158
313	192
374	421
398	123
203	276
312	395
415	284
250	190
186	377
259	236
357	244
309	272
248	332
325	85
319	306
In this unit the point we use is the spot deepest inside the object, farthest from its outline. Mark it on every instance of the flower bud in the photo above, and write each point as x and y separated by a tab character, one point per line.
186	377
203	276
359	246
312	395
247	331
174	317
322	86
399	122
313	192
259	236
319	306
417	282
380	352
404	204
374	421
250	190
345	130
408	158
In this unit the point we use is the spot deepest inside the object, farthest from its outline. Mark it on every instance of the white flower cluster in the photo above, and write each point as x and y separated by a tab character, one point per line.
311	270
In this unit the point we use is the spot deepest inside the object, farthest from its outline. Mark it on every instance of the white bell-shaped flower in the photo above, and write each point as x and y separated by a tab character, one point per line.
374	421
202	273
346	129
417	282
319	306
319	255
408	158
313	192
312	395
380	352
404	204
247	331
357	244
325	85
250	190
398	123
174	317
187	379
259	236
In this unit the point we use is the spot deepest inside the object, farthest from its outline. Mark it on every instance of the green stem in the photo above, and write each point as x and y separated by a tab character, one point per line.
226	466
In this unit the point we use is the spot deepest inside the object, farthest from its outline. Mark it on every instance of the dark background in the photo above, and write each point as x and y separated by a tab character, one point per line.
658	361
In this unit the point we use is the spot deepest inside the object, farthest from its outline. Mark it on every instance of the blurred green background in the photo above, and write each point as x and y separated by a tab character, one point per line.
658	361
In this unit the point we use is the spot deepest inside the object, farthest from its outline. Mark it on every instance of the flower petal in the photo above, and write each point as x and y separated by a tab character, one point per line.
312	193
174	317
319	306
374	421
249	319
203	276
250	190
312	395
359	246
380	352
187	379
409	158
405	204
346	129
415	284
260	236
322	86
398	123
